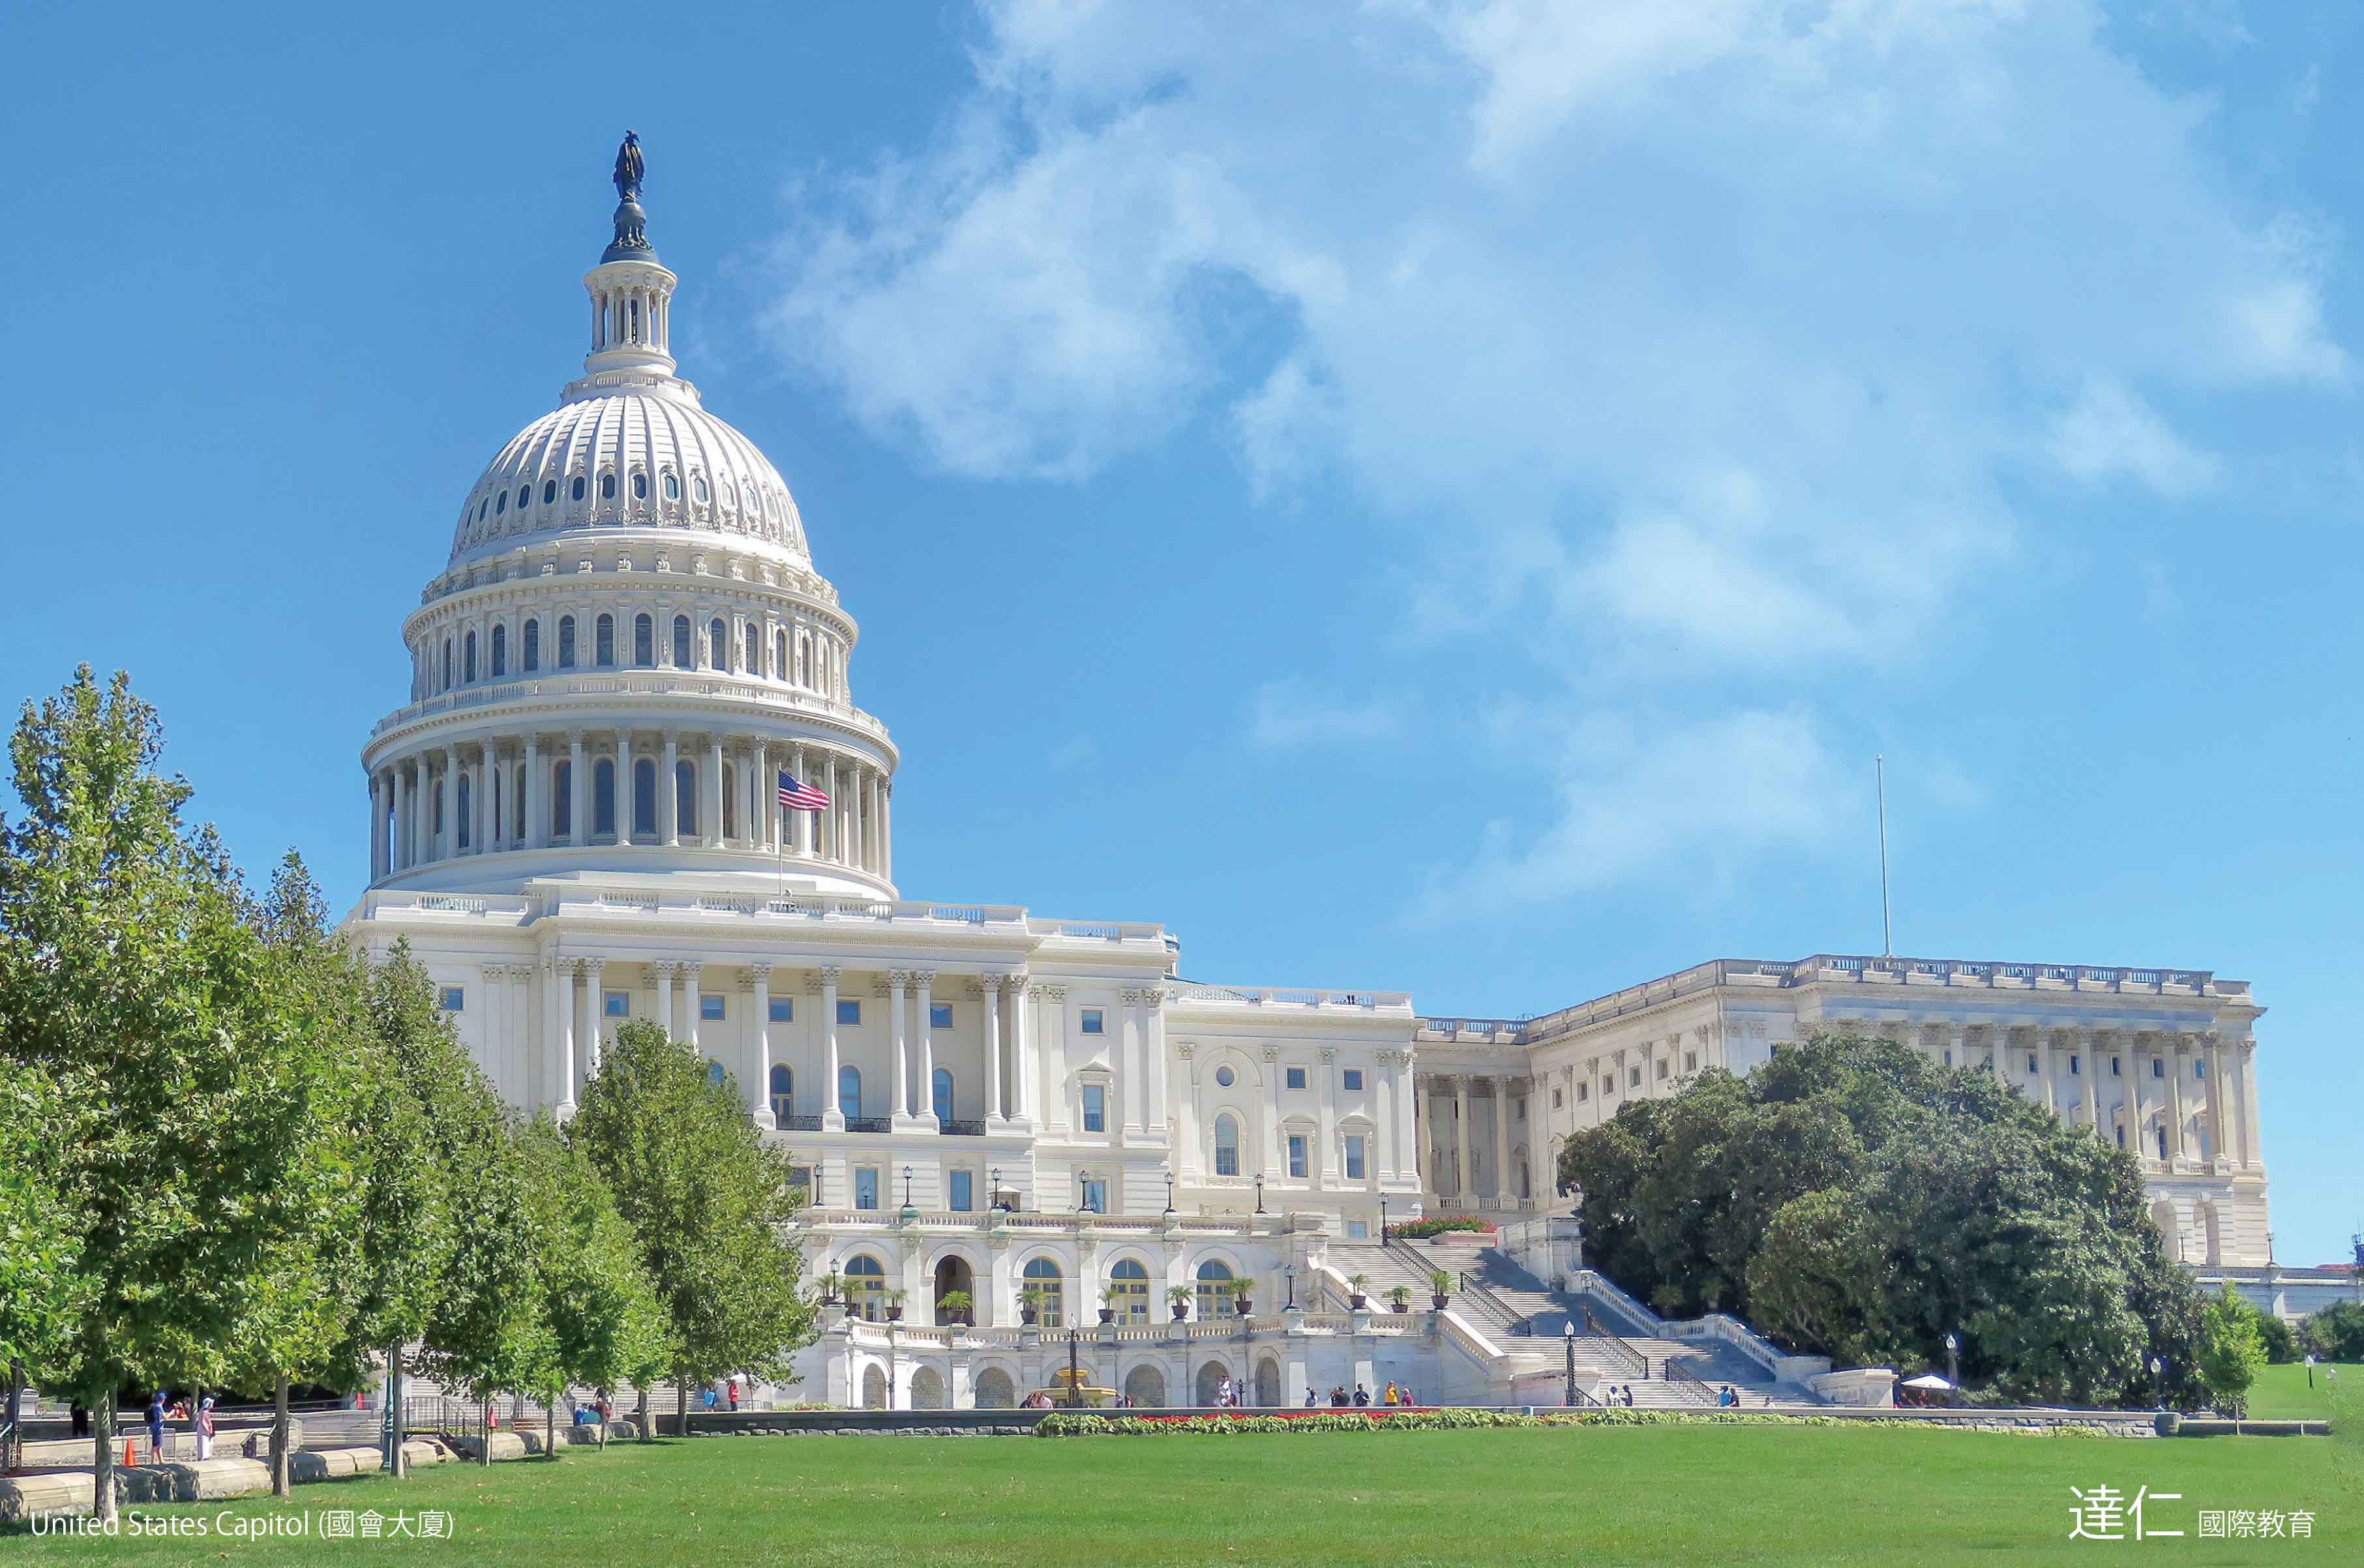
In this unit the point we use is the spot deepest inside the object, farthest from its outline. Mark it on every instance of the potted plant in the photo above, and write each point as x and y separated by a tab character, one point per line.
1108	1313
1399	1298
1030	1305
1355	1300
955	1305
1181	1296
831	1284
1240	1290
1439	1284
895	1299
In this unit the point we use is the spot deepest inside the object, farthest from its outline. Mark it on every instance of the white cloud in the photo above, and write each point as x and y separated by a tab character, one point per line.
1687	343
2109	431
1291	713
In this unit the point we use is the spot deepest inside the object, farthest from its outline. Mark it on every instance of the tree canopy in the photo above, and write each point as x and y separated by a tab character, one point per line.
1854	1199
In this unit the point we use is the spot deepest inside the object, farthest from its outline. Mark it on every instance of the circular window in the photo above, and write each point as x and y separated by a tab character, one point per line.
1225	1076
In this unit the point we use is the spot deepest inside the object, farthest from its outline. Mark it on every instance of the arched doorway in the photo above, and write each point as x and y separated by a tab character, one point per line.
2162	1214
2211	1240
874	1388
927	1389
995	1391
1208	1384
866	1288
1267	1383
953	1274
1144	1388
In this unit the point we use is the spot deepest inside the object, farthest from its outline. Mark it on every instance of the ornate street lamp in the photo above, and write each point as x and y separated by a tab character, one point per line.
907	1186
996	1206
1290	1276
1075	1378
1383	1222
1567	1333
1169	1189
2157	1385
1953	1360
1259	1185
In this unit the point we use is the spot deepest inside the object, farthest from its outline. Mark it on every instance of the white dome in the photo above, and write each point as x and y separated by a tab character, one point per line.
632	456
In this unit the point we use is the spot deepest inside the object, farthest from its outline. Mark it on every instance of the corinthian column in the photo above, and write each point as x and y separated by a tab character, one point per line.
990	988
925	1013
759	1092
896	979
832	1116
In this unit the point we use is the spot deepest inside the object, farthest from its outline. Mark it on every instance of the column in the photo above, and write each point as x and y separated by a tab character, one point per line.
1153	1114
661	969
406	818
800	822
480	800
2137	1134
2174	1055
989	988
2044	1056
854	845
886	829
498	808
759	1088
1326	1165
558	1010
1383	1144
1503	1189
2248	1071
377	832
1461	1138
624	791
537	809
713	790
896	979
669	794
764	799
691	971
1027	1100
2088	1064
1127	1063
832	1117
1998	1041
2213	1052
595	1005
578	791
926	1014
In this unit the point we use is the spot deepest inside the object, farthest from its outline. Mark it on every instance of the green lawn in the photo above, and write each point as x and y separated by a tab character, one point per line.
2280	1393
1770	1495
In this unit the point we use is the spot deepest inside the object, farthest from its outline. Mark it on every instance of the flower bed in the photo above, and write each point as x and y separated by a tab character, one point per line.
1439	1224
1065	1424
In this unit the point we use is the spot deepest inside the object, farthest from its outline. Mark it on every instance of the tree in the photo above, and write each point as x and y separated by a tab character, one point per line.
2231	1352
708	1203
603	1319
2336	1333
41	1290
2278	1338
1855	1199
130	979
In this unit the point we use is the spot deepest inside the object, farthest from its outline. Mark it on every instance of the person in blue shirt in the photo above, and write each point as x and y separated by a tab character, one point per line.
156	1427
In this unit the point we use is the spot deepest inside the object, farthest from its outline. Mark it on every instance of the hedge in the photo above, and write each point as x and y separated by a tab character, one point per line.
1441	1224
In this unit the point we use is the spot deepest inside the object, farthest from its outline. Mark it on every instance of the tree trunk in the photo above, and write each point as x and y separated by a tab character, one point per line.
394	1464
680	1405
282	1462
101	1474
640	1412
12	1452
550	1428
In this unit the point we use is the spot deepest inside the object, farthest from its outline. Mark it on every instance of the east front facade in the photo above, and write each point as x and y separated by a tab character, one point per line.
632	780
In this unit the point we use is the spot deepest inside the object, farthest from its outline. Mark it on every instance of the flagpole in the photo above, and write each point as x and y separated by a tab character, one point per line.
1886	937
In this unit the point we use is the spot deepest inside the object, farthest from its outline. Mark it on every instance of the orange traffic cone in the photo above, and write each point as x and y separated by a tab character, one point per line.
128	1461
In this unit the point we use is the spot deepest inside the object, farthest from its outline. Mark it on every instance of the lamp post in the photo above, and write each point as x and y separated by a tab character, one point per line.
995	1178
1169	1189
1290	1276
1953	1359
1567	1336
2157	1385
1259	1186
1075	1378
907	1186
1083	1191
1383	1222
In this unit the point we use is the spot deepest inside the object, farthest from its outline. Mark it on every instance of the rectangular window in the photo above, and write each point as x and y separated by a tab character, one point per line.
2076	1068
1095	1107
2199	1069
1690	1061
454	998
783	1009
1297	1077
1634	1074
959	1198
1357	1230
1094	1020
2122	1138
710	1008
2032	1068
1354	1158
617	1004
1297	1155
1096	1196
1353	1080
849	1012
2158	1068
1661	1068
800	1176
1949	1059
2114	1062
1519	1108
939	1015
1583	1092
865	1187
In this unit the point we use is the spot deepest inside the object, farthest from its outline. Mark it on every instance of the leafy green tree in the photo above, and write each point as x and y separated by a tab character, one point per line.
605	1323
2278	1338
1853	1199
130	977
2336	1333
708	1203
41	1291
2231	1351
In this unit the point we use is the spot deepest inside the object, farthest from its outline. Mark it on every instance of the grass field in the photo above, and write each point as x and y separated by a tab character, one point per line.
2280	1393
1741	1495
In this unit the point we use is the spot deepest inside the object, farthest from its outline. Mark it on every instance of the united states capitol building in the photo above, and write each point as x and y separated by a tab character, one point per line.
574	820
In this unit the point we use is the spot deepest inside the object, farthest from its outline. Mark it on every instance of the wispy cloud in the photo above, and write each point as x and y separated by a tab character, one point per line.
1291	713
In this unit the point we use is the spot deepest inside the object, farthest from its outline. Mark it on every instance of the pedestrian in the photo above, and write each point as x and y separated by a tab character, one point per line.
732	1387
1362	1396
1338	1396
1629	1397
80	1413
156	1427
206	1426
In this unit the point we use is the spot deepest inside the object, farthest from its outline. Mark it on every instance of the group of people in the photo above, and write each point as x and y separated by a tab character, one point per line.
160	1411
1395	1393
721	1394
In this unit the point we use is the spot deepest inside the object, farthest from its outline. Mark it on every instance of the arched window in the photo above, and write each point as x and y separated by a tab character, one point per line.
866	1288
1042	1275
684	789
525	496
784	1093
468	658
645	642
640	481
1128	1291
804	662
602	642
566	642
697	489
1227	1144
753	662
562	800
848	1090
681	649
941	1095
672	486
549	491
603	797
533	648
1214	1290
717	644
780	656
575	492
500	503
607	487
481	505
464	813
644	798
500	652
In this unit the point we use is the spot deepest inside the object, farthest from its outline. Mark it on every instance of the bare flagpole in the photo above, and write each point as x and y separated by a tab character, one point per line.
1887	936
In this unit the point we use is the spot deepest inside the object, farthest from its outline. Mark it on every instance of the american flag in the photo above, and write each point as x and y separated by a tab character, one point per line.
795	796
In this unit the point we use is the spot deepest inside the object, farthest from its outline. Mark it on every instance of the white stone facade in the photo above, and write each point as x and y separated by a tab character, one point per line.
572	821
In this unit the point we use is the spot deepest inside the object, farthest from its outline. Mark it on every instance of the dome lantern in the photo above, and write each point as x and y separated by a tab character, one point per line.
631	291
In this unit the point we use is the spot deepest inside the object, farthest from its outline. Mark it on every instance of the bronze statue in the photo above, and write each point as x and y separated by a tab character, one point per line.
628	167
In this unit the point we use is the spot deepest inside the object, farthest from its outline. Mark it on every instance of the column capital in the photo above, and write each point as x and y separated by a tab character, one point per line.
923	977
760	972
899	978
661	968
1272	1053
1329	1054
829	972
574	737
690	969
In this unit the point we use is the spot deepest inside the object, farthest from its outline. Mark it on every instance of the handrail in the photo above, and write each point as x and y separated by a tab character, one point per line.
1676	1378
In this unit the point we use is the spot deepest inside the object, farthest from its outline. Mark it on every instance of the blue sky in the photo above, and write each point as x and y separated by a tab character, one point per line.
1433	496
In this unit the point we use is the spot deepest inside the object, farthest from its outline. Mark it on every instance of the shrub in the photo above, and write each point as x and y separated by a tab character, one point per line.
1439	1224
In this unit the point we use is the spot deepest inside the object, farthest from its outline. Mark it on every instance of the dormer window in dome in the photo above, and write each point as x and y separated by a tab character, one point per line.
578	487
525	496
672	486
607	487
500	503
697	489
549	491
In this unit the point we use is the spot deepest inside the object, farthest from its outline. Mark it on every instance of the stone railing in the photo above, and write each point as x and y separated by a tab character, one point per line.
1278	996
635	683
